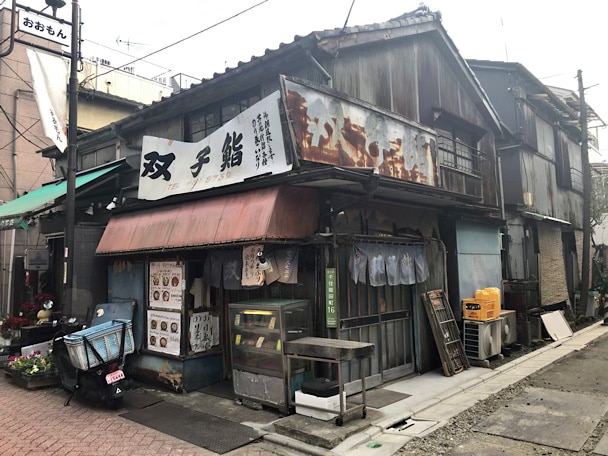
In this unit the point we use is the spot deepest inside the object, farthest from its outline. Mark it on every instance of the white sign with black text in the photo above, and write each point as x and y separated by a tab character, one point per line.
249	145
42	26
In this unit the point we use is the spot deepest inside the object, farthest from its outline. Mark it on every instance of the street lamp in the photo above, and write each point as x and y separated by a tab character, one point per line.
55	5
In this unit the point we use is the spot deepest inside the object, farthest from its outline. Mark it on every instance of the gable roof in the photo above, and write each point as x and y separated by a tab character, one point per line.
416	22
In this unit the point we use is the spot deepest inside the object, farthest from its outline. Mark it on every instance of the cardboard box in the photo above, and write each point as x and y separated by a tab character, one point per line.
331	403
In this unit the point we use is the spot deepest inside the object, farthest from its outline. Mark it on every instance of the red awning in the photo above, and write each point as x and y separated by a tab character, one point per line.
275	213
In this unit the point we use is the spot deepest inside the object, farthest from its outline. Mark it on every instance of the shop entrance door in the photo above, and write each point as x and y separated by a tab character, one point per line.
382	316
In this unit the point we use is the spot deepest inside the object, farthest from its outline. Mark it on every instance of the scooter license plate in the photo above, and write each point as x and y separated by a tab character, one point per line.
115	376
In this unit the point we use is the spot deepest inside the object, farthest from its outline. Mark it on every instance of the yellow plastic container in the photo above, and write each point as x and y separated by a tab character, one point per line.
490	294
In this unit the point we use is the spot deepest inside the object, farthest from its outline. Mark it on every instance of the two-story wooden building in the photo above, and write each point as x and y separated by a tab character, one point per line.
542	182
366	152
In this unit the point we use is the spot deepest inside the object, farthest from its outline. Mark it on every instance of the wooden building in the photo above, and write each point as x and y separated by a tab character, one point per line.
383	163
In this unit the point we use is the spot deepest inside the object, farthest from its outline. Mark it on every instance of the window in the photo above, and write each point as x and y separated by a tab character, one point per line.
457	143
458	150
206	121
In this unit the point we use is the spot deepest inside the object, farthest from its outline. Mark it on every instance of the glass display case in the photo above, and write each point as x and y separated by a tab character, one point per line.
258	331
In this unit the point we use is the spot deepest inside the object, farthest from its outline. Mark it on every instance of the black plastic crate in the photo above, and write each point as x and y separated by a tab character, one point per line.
320	387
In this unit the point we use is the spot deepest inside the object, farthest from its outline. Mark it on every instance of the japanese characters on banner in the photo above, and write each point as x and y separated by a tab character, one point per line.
166	286
164	331
49	78
252	275
203	331
249	145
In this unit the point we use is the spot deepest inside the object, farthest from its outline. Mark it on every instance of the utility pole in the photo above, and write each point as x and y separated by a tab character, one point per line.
70	220
586	193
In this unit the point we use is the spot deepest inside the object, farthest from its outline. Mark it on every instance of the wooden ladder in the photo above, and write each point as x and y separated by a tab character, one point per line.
446	332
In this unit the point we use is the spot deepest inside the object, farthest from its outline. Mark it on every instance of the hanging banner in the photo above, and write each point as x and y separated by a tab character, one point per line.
50	78
201	331
249	145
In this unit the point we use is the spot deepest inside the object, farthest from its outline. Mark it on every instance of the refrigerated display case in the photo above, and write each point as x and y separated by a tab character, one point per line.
258	331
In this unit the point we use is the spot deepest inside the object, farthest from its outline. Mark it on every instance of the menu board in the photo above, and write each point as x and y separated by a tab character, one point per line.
164	332
166	285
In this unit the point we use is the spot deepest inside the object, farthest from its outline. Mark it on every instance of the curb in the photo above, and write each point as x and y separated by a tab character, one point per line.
297	445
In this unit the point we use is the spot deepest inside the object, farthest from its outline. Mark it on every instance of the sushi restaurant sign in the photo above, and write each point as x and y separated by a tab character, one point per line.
249	145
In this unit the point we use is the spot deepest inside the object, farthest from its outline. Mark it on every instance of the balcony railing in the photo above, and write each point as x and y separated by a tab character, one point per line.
460	167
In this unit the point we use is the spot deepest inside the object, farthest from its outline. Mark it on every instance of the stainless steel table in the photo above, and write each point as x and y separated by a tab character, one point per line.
332	351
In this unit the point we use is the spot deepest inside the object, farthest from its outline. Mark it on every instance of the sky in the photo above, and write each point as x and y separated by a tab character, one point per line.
553	40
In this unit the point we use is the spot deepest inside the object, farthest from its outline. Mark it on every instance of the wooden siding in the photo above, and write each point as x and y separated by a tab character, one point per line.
414	78
527	124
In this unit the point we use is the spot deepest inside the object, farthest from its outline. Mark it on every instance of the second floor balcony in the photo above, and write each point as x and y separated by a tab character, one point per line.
460	166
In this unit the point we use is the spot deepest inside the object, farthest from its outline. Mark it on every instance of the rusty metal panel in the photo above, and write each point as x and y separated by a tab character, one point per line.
273	213
342	132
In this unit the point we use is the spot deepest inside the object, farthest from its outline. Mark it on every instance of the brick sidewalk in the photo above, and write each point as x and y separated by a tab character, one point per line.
35	423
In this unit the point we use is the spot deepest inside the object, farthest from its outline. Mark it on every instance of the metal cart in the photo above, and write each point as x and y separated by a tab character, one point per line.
332	351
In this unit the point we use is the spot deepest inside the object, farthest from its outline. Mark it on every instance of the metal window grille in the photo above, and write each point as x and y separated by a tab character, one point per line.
457	155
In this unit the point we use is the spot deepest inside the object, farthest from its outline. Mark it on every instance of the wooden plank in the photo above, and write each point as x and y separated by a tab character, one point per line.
445	332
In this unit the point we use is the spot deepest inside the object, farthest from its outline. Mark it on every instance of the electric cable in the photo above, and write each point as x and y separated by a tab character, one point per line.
223	21
27	83
20	134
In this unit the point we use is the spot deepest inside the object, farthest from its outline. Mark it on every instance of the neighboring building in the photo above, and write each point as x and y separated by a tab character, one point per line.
22	167
542	181
383	146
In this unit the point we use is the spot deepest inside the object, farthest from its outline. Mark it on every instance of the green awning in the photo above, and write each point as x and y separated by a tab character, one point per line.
34	201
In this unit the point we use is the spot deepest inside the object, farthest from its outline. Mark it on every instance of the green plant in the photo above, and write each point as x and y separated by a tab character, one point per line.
34	364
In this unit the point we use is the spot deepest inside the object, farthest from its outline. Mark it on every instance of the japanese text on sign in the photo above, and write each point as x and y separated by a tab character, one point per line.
331	316
249	145
45	27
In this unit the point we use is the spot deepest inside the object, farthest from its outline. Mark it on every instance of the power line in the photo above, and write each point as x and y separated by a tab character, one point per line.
17	74
177	42
120	52
21	135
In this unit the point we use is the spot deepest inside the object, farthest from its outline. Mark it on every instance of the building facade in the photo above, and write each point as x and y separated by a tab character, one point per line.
361	161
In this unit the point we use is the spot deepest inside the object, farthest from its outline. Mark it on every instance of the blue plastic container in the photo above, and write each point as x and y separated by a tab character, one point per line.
105	338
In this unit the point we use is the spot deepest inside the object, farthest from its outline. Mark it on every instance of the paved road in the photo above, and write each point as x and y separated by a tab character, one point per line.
561	411
35	422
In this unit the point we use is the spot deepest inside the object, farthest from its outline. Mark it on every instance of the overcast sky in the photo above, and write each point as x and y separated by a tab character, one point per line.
551	39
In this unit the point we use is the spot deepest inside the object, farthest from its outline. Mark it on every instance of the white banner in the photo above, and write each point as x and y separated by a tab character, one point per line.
50	78
249	145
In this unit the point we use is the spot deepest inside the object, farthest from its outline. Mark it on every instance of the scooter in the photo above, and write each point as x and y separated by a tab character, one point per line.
101	380
105	382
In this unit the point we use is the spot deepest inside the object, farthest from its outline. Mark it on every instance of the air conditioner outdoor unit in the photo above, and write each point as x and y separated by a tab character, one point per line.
508	319
482	339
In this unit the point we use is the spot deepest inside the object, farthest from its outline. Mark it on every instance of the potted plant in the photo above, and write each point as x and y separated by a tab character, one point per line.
11	327
34	364
32	371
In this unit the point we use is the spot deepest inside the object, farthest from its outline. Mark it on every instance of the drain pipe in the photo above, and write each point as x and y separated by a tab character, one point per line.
15	195
315	62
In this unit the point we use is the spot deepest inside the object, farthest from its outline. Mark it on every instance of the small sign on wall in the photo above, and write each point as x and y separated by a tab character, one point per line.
331	296
37	259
